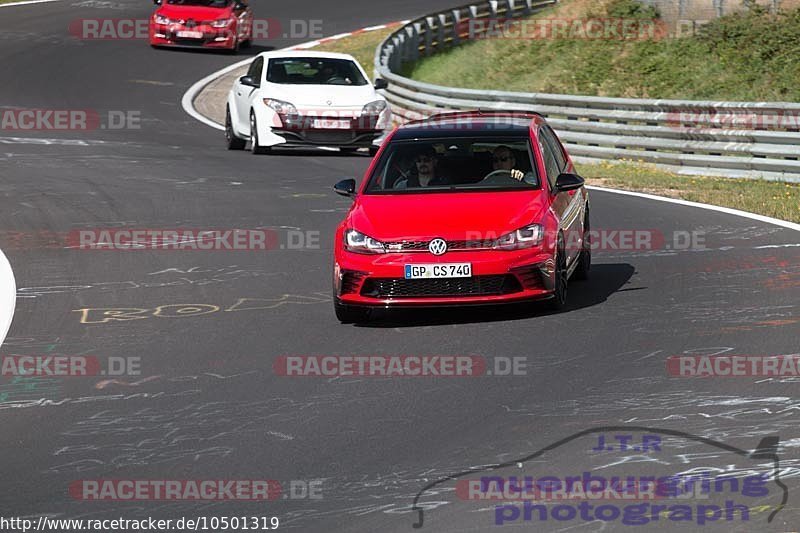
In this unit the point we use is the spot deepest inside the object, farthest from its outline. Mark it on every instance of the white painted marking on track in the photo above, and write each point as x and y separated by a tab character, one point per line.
28	2
727	210
8	296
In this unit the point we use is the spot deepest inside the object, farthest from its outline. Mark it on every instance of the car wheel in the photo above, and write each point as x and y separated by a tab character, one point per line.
559	299
234	142
348	314
254	147
585	260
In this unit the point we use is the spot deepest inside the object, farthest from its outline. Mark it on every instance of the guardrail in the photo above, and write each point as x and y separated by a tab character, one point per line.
734	139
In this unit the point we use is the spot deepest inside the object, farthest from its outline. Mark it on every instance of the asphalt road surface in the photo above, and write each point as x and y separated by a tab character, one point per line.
207	326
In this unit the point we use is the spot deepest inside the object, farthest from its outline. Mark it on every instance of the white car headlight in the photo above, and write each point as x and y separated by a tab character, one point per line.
222	23
161	19
374	108
525	237
355	241
281	107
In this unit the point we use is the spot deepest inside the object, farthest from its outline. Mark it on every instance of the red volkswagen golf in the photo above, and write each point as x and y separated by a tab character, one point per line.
221	24
462	208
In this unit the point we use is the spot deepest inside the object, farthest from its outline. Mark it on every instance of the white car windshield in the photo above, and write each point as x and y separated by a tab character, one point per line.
314	71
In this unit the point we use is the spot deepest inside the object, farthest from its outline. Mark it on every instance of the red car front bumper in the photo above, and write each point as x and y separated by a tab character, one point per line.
161	35
497	277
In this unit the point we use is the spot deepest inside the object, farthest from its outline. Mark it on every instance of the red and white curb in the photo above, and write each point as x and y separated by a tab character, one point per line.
187	102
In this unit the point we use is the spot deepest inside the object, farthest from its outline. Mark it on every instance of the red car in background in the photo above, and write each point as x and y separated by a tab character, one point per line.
462	208
220	24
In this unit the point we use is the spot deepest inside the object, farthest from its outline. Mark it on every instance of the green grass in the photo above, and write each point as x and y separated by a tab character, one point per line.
748	56
361	46
770	198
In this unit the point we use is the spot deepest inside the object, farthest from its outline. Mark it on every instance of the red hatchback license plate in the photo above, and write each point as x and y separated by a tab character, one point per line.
439	270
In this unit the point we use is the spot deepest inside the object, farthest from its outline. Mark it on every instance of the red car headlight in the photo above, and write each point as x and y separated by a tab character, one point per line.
222	23
525	237
161	19
357	242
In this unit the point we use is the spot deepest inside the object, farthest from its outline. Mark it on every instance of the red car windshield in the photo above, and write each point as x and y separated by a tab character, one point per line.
314	71
203	3
455	165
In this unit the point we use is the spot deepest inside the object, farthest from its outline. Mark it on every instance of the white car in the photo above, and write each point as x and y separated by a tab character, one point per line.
304	98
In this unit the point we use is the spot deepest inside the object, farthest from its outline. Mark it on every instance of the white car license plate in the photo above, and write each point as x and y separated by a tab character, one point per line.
190	34
331	124
439	270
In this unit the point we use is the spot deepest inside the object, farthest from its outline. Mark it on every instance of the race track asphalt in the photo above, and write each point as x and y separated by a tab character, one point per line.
208	405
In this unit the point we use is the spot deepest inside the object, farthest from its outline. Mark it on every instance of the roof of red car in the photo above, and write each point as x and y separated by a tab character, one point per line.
489	123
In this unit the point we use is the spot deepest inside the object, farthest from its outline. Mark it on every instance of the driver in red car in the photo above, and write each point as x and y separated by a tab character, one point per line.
503	159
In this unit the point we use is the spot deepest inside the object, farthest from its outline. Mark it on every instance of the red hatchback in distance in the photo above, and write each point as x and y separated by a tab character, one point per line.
219	24
462	208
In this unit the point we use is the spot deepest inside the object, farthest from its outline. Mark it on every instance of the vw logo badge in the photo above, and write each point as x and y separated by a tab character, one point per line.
437	246
329	102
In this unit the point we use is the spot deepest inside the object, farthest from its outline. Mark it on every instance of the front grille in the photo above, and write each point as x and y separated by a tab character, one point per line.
422	246
334	136
431	288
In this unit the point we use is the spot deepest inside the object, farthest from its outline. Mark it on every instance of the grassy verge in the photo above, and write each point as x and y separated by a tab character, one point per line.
748	56
772	199
361	46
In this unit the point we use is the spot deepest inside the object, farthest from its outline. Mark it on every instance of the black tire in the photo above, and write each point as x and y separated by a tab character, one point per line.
254	147
348	314
585	259
234	142
559	299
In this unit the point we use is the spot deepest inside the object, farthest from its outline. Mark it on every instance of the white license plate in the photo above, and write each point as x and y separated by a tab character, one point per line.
190	34
331	124
439	270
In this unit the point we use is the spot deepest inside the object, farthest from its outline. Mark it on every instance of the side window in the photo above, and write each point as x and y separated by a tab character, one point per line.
550	163
255	69
551	140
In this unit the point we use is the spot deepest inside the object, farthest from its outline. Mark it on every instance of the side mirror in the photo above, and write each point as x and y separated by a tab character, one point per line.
249	81
345	187
380	83
568	182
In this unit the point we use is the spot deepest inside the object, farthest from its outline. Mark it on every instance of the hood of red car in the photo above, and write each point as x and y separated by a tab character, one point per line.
451	216
196	13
